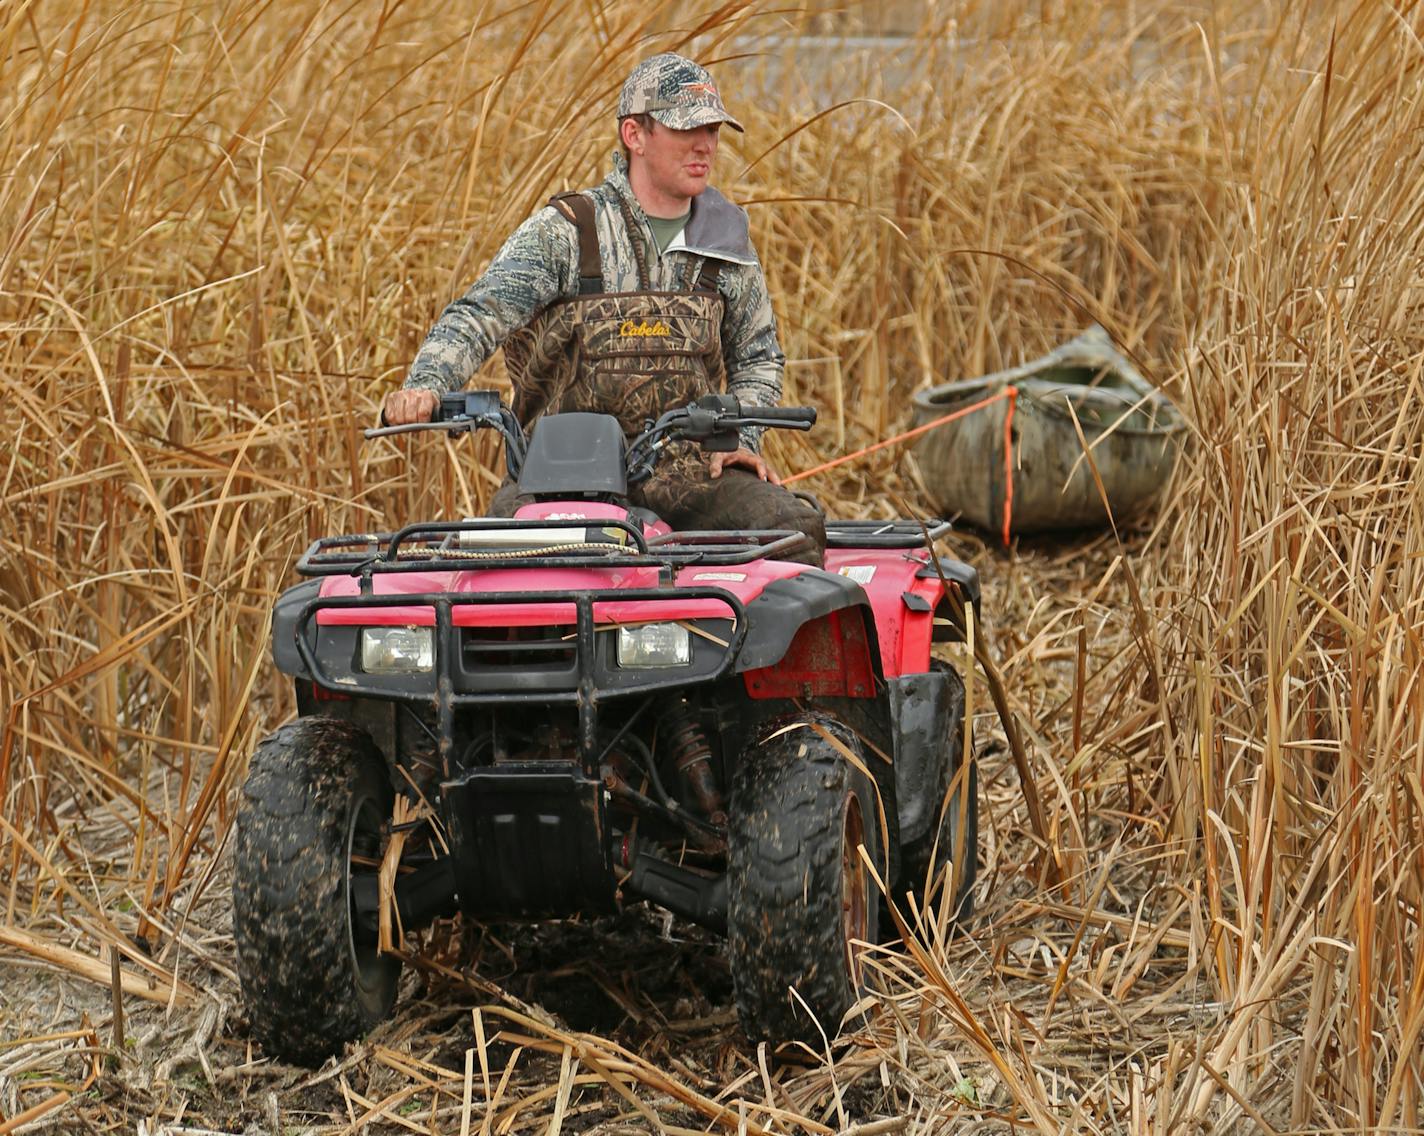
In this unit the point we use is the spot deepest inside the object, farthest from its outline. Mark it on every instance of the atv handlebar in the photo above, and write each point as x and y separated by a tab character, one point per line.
460	411
713	421
456	412
792	417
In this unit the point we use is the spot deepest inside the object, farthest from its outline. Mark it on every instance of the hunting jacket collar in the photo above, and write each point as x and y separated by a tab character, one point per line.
717	228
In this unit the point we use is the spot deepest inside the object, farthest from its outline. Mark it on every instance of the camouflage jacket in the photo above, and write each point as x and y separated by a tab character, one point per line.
538	265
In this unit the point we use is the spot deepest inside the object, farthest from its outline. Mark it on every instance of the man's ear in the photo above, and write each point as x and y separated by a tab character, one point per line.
631	134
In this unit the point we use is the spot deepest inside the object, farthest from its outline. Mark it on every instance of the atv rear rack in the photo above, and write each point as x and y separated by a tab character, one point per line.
884	534
495	542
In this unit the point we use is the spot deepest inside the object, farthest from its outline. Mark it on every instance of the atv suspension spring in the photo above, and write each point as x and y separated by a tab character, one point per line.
692	755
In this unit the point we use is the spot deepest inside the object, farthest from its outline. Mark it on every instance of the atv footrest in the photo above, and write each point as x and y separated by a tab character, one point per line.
529	841
693	895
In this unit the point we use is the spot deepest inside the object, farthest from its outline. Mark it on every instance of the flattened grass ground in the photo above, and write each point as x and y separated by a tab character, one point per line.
223	230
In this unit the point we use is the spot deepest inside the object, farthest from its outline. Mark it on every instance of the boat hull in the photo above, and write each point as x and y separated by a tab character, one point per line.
1085	392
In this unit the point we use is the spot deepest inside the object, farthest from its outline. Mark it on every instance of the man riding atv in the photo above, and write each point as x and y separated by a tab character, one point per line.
633	297
591	700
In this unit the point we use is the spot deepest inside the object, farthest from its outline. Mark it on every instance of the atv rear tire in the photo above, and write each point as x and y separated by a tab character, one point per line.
800	892
316	795
942	848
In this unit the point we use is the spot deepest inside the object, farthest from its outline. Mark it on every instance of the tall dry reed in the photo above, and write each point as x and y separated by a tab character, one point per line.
224	228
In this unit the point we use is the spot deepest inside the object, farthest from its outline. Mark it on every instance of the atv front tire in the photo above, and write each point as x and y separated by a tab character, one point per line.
317	795
800	892
948	855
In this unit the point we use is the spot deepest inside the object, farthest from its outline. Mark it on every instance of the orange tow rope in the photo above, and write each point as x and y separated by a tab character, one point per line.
1013	393
1010	393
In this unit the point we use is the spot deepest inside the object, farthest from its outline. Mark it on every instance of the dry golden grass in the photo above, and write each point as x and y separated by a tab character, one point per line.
224	228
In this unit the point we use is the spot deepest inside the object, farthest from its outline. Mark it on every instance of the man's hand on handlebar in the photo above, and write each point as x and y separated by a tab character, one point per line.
404	407
745	459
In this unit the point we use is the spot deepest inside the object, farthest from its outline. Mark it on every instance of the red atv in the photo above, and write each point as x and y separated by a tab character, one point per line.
582	709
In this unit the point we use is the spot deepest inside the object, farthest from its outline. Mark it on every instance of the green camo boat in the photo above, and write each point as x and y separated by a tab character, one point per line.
1132	430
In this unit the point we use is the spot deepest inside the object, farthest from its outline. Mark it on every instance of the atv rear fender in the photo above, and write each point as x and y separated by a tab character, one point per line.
923	707
914	602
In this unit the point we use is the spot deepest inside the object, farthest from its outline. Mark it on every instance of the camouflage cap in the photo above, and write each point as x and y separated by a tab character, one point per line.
675	91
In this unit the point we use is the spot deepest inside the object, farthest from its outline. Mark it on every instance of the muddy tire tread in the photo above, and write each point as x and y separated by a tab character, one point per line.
784	925
299	981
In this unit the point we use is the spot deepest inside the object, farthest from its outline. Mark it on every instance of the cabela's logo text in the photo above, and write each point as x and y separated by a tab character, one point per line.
643	329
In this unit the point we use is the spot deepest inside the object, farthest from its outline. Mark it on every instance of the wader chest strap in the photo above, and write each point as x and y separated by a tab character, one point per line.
579	210
707	278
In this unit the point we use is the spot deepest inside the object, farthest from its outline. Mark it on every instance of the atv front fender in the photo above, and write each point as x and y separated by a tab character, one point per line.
286	614
811	636
786	606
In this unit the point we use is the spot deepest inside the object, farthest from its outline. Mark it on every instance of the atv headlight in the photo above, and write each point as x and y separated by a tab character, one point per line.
654	645
397	650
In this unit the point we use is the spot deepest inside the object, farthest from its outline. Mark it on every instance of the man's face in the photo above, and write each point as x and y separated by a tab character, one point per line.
676	163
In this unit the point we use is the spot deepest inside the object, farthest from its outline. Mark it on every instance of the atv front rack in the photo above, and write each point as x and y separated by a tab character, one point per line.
496	542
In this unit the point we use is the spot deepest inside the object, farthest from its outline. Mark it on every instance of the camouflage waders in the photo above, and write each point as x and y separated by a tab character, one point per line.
634	355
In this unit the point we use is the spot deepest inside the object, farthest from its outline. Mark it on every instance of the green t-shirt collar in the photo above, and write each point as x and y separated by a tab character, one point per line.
667	228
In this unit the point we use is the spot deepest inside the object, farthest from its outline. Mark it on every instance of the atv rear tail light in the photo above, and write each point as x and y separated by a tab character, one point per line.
397	650
654	645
